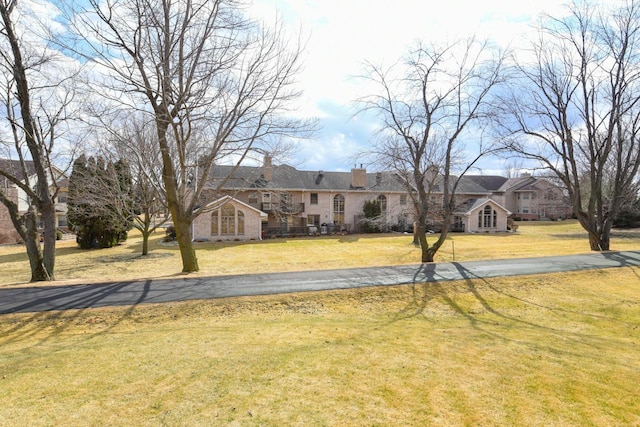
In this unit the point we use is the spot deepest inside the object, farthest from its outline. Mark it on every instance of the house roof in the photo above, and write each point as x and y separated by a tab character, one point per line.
471	205
285	177
14	168
491	183
226	199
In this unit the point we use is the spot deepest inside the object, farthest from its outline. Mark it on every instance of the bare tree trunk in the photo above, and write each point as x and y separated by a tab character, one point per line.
187	251
48	217
43	199
182	220
39	272
145	244
145	230
27	228
421	235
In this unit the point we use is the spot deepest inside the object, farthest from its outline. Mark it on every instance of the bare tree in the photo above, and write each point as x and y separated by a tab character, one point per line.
137	142
427	111
33	119
576	109
217	85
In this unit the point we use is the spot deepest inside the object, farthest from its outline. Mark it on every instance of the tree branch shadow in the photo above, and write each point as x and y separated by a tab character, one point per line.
427	290
63	313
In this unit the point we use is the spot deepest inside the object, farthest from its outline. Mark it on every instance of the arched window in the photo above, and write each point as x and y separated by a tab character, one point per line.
383	204
240	222
214	223
486	223
227	220
488	218
338	209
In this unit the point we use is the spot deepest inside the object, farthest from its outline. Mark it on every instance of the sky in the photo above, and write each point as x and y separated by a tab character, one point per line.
343	34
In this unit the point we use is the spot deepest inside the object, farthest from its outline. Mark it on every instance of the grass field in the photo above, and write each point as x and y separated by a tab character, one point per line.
561	349
299	254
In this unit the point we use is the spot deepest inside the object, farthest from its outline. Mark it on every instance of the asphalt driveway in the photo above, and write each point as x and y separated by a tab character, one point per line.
35	299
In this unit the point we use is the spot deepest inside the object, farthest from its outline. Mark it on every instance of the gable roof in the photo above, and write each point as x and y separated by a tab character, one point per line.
471	205
226	199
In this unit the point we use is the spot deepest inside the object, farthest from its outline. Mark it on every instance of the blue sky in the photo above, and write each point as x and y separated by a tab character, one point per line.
344	33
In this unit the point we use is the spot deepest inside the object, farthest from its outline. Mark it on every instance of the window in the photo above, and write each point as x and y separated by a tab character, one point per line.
338	209
486	221
62	221
214	223
383	204
227	220
313	220
314	198
487	218
403	199
62	197
525	196
253	198
240	222
266	201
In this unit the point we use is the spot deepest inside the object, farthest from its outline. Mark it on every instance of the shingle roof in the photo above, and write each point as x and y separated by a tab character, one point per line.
472	204
285	177
488	182
14	167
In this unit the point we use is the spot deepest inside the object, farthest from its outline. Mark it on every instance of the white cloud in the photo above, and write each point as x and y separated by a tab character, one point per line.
343	34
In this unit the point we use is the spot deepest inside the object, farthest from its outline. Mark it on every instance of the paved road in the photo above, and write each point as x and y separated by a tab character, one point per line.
34	299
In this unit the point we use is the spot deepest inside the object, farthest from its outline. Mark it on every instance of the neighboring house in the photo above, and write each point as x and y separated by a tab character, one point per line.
228	219
532	199
8	233
308	202
298	202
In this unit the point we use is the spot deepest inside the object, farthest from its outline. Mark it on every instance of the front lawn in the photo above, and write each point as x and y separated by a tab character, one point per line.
560	349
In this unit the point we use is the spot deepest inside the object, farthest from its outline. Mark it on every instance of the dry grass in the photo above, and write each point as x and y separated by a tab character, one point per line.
300	254
558	349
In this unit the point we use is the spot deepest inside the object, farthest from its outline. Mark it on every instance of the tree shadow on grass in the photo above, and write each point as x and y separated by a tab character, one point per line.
58	311
491	320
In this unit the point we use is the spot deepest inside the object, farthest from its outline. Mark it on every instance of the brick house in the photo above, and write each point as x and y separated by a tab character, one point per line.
307	202
527	197
299	202
8	233
228	219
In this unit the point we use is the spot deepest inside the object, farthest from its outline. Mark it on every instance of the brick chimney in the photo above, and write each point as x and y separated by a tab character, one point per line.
267	171
358	177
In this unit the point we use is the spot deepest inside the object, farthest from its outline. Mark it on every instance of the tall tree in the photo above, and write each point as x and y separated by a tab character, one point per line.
216	84
428	109
32	134
576	109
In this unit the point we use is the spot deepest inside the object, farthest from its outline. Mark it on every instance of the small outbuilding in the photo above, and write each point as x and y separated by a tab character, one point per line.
228	219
